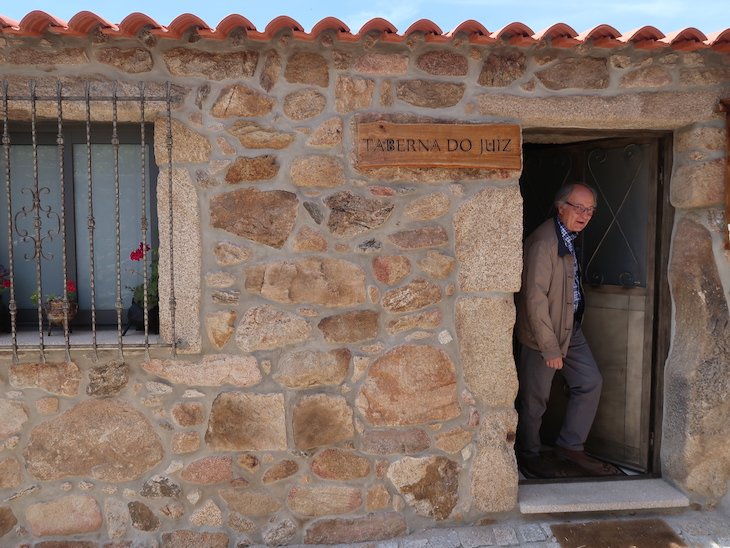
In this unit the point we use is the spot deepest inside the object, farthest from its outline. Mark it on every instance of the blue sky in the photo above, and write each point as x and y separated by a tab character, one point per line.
624	15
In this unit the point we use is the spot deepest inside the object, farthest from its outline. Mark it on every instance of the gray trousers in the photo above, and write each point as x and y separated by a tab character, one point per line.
584	380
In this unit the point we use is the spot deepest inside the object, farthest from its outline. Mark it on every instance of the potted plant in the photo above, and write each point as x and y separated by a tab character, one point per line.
54	306
135	313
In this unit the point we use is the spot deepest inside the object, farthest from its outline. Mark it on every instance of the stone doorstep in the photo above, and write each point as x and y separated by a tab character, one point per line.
548	498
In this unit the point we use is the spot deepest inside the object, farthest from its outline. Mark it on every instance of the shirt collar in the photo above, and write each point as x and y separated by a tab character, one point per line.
565	241
565	232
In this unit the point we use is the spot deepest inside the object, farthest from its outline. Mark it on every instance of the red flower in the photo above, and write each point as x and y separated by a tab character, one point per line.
138	254
70	286
6	284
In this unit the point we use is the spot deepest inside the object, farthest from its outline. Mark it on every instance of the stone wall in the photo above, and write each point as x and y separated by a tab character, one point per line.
345	369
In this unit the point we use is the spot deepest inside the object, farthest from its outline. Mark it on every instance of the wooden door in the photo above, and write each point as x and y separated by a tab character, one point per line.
618	249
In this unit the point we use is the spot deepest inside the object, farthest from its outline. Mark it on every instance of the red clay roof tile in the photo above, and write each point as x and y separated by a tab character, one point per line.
517	34
378	24
602	36
35	23
133	23
720	40
688	39
477	32
8	23
282	22
85	22
647	37
330	23
226	27
431	31
181	24
425	26
560	36
470	27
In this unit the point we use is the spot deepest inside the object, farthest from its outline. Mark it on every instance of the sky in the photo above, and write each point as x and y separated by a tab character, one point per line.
625	15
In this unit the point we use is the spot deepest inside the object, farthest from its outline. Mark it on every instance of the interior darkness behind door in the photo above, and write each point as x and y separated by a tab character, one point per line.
617	262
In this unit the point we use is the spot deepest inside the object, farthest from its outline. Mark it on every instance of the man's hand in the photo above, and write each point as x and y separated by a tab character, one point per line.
554	363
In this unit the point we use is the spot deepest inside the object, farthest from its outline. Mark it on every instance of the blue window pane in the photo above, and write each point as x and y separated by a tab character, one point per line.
77	215
24	248
130	191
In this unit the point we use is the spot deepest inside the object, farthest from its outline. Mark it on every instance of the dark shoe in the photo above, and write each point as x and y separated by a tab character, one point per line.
591	465
547	466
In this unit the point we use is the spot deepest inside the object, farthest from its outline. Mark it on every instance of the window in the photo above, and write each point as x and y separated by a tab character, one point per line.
46	248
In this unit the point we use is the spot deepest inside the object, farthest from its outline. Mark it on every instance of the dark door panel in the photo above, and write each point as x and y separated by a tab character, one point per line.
617	258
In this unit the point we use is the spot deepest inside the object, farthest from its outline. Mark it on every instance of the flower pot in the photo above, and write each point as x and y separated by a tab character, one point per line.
135	318
54	313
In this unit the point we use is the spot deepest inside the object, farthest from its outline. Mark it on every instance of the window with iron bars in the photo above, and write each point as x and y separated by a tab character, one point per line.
78	225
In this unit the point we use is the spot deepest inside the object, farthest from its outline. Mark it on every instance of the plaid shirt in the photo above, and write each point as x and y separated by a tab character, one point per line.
568	238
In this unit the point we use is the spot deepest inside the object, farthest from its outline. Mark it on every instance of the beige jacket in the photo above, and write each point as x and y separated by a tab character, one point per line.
545	302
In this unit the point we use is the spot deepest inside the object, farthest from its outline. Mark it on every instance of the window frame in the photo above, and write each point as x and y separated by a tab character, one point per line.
75	133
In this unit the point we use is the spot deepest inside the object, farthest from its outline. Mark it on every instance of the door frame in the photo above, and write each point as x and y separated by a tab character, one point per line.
661	223
661	337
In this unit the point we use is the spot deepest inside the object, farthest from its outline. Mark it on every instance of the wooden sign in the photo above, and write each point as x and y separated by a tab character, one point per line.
383	144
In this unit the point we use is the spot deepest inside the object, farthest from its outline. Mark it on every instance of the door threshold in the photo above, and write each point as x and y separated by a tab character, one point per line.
599	496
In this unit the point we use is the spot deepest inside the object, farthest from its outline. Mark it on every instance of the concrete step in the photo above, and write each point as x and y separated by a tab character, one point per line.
599	496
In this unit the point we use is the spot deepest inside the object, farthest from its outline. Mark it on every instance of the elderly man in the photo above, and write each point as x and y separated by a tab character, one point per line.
549	312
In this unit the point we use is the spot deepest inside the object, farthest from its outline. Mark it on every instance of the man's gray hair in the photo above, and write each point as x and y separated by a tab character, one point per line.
561	196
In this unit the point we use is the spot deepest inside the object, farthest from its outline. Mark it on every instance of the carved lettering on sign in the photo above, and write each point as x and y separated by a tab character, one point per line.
382	144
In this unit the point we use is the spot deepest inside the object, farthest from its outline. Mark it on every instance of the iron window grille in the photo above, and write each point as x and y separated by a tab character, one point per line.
56	224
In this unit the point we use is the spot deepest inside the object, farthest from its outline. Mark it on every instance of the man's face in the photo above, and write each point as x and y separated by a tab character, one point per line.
569	211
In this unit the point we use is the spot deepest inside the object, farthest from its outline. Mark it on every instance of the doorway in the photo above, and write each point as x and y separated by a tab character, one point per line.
623	260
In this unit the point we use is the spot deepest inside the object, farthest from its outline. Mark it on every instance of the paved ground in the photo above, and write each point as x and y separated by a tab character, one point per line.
698	529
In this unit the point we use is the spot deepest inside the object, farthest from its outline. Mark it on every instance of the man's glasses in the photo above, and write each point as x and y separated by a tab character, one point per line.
582	210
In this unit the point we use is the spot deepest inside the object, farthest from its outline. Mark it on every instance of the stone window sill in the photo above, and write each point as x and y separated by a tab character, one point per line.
80	338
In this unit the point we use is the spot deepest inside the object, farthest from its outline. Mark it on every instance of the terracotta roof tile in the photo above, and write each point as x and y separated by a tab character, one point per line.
227	26
330	23
517	34
35	23
644	38
560	36
431	30
7	23
378	24
602	36
85	22
282	22
720	40
688	39
476	31
180	25
133	23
